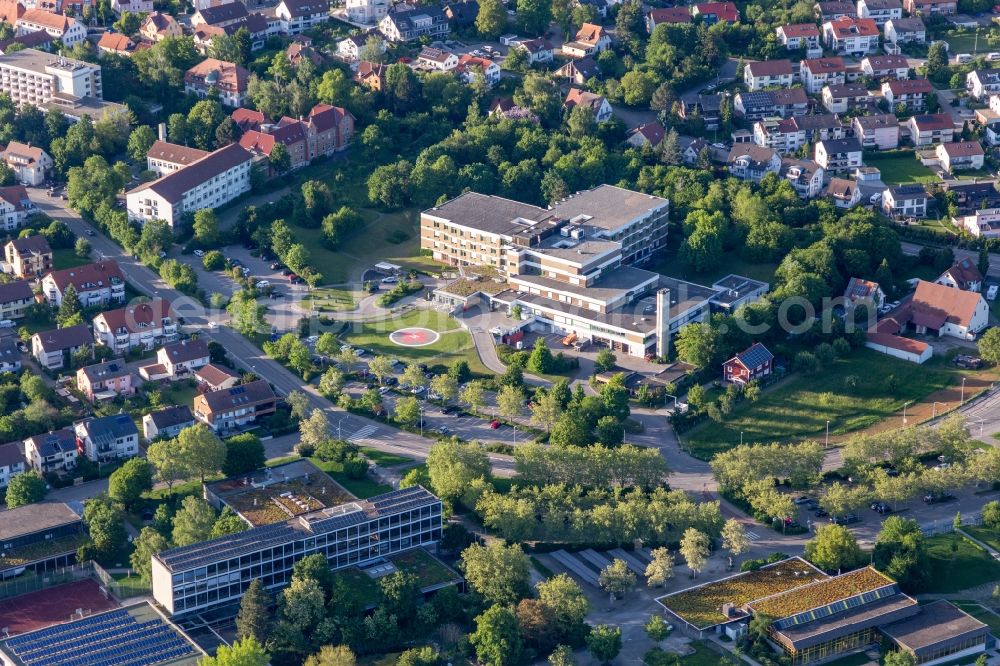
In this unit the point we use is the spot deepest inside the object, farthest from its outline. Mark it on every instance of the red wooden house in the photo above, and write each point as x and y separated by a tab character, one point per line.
750	364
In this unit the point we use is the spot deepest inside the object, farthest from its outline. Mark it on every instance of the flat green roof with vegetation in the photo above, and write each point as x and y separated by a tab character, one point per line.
41	550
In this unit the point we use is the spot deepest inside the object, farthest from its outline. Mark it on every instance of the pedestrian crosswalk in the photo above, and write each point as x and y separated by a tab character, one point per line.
363	434
753	536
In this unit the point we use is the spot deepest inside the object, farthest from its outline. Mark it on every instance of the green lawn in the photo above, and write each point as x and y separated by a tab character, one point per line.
952	571
800	406
703	656
179	393
130	586
972	174
984	534
981	613
360	488
67	258
966	43
329	299
902	169
385	459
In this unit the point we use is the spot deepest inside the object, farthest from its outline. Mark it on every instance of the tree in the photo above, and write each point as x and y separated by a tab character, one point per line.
510	402
314	429
492	19
670	149
898	658
657	628
413	376
498	572
148	543
82	248
280	158
568	603
243	652
69	309
105	524
840	499
991	515
206	226
381	367
445	387
694	549
605	361
140	141
422	656
536	623
562	656
735	539
244	454
474	395
901	552
497	639
453	466
331	382
605	642
833	548
127	483
638	87
407	410
25	488
193	522
329	655
254	617
616	579
937	58
168	466
989	345
660	568
540	360
202	450
546	409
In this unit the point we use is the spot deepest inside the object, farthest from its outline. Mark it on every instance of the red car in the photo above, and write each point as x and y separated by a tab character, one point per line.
494	424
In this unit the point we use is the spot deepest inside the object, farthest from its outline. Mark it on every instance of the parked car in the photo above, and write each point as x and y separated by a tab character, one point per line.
935	498
384	390
802	499
90	232
390	381
444	430
822	513
881	507
451	409
390	280
275	266
494	424
846	519
199	253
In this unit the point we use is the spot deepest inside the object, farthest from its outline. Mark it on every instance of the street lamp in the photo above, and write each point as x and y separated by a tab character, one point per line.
963	390
342	419
934	409
982	423
828	433
904	410
741	438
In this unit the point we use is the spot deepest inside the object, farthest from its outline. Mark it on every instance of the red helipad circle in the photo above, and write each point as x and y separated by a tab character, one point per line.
414	337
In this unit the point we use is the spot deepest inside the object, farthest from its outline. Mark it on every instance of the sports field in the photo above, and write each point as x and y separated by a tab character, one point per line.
53	605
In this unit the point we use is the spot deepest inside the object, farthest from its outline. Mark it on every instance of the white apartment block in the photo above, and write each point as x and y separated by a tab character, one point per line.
70	31
983	223
141	326
209	182
108	438
164	157
369	12
45	80
762	74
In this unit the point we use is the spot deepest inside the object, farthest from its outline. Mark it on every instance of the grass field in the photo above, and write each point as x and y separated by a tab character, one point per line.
384	459
903	169
329	299
703	656
800	406
67	258
984	534
952	571
361	488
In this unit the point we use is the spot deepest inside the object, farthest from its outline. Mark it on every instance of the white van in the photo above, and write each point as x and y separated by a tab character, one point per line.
993	57
7	323
963	58
991	293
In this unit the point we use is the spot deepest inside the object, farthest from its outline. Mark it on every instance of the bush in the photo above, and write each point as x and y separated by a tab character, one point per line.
399	292
355	467
213	261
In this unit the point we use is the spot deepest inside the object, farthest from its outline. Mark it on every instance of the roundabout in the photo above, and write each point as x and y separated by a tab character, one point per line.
414	337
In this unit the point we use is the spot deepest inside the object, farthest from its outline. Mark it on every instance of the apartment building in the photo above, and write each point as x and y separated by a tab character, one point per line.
210	573
437	59
886	67
406	24
30	164
805	176
52	349
11	461
910	30
667	15
68	30
930	7
851	36
752	162
880	11
209	182
903	201
369	12
15	299
15	207
164	157
910	92
102	283
842	98
716	12
819	72
233	408
177	360
834	9
297	16
47	80
878	131
761	74
107	438
227	79
140	326
798	36
782	103
590	40
981	83
836	155
983	223
105	381
326	130
931	128
789	135
469	66
958	155
54	451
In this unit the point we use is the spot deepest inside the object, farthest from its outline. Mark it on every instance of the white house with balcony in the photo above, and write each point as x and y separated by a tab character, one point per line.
99	284
137	326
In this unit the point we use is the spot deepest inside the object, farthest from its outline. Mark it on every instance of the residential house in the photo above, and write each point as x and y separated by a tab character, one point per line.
116	43
68	30
158	26
648	134
667	15
287	131
538	50
177	360
52	348
11	11
579	70
930	128
836	155
15	207
805	176
835	9
368	12
52	452
960	155
940	310
904	201
752	162
102	284
596	103
886	67
10	354
40	40
462	14
819	72
864	292
214	377
590	40
760	74
844	97
232	408
992	132
879	131
210	182
105	381
880	11
404	25
107	438
15	299
469	66
963	275
692	152
164	157
981	83
325	131
706	107
11	461
911	92
910	30
297	16
30	164
227	79
851	36
219	15
972	195
371	75
349	48
140	326
752	364
930	7
845	193
798	36
981	223
782	103
716	12
167	422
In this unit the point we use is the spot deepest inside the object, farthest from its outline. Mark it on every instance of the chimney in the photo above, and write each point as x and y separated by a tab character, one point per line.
663	322
162	129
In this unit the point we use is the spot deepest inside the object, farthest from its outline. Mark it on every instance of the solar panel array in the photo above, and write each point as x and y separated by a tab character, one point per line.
108	639
233	545
856	601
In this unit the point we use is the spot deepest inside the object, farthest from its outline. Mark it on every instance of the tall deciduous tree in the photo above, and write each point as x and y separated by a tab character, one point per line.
660	568
834	547
498	572
202	450
148	543
735	539
492	19
616	579
127	483
25	488
193	522
254	617
497	639
167	465
694	549
245	652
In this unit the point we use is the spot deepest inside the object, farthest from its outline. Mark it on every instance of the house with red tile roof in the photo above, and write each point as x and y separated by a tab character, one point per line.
959	155
963	275
229	79
716	12
136	326
596	103
669	15
101	283
798	36
851	36
649	134
117	43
